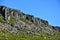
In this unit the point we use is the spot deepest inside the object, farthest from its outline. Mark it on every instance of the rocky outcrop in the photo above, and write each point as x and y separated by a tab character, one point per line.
15	21
56	28
6	12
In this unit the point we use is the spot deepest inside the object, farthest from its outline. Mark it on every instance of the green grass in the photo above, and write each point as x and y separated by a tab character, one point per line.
42	24
5	34
25	20
23	36
11	20
2	20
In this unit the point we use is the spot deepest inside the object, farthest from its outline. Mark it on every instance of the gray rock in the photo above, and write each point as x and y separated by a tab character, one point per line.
20	25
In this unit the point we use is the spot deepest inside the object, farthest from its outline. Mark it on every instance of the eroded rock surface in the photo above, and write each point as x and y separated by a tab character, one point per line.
16	21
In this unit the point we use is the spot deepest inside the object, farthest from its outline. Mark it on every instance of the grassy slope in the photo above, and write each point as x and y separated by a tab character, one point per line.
5	34
23	36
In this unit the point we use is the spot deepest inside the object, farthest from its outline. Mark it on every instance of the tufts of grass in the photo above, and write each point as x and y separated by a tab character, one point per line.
42	24
12	20
24	20
2	20
23	36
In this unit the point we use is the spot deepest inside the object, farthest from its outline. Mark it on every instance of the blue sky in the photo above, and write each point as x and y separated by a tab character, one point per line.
46	9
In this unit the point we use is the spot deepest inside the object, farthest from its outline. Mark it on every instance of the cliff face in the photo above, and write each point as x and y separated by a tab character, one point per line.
6	12
14	20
